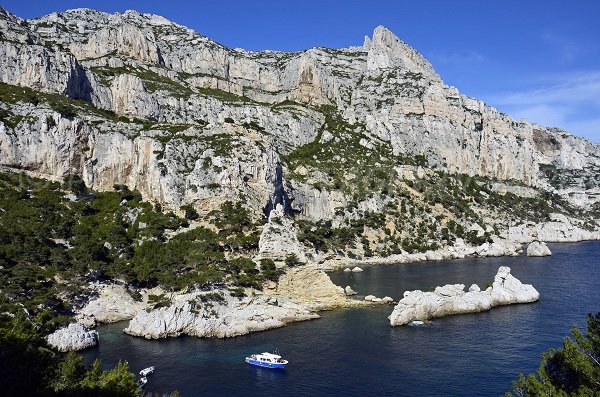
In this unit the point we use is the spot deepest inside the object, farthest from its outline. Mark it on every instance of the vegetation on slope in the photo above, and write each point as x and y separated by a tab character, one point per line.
424	212
29	367
573	370
55	237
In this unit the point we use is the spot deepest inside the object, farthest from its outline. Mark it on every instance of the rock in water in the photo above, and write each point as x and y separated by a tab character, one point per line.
452	299
73	337
349	291
538	248
357	269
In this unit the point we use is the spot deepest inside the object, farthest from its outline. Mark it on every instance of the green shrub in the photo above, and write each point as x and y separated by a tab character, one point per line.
572	370
190	212
292	260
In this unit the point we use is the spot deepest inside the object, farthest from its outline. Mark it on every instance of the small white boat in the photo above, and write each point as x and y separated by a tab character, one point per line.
146	371
143	380
267	360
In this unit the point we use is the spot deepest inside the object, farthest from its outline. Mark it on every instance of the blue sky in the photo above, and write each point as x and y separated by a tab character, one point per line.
539	60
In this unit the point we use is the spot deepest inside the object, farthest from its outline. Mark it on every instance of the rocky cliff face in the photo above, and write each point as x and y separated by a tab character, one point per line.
138	100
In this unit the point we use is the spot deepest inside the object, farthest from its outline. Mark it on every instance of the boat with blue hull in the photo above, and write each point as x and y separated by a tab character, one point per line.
267	360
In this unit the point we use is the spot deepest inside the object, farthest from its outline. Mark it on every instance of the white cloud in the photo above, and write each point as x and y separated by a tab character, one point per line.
570	102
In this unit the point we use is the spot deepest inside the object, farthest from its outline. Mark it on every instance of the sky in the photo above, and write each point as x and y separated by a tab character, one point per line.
538	60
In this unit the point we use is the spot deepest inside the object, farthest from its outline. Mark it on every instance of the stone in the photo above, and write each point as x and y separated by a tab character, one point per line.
369	298
279	237
347	270
311	287
349	291
452	299
113	304
538	248
73	337
188	315
357	270
387	299
491	143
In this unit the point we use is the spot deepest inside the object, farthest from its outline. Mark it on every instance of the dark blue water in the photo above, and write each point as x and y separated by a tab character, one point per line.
354	352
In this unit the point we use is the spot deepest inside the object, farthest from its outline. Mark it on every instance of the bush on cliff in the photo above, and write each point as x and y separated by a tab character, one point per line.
29	367
573	370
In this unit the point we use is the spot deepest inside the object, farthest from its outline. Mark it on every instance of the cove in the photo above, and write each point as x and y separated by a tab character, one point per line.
355	351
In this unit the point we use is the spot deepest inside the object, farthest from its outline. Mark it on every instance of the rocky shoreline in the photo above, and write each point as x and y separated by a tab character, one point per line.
559	230
298	296
301	292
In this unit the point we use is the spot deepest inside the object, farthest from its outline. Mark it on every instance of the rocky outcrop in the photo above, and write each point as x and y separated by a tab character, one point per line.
312	287
538	248
113	304
279	237
72	338
210	315
452	299
560	229
349	291
301	292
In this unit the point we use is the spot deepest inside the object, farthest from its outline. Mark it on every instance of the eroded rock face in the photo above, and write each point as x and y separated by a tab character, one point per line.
311	287
189	315
279	237
559	229
538	248
452	299
73	337
147	67
113	304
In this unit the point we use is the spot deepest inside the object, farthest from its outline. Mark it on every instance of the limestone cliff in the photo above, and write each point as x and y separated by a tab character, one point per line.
331	134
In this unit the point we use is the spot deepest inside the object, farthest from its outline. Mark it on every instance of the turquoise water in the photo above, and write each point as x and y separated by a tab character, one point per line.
354	352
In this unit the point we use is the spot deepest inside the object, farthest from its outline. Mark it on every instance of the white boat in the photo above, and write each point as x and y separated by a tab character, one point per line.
143	380
267	360
146	371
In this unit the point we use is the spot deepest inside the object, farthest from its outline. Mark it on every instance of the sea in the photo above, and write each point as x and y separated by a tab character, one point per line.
355	352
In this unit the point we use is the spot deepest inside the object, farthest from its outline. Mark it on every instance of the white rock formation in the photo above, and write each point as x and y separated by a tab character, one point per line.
113	304
349	291
452	299
559	229
356	269
369	298
538	248
189	315
145	66
279	238
73	337
347	270
300	292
